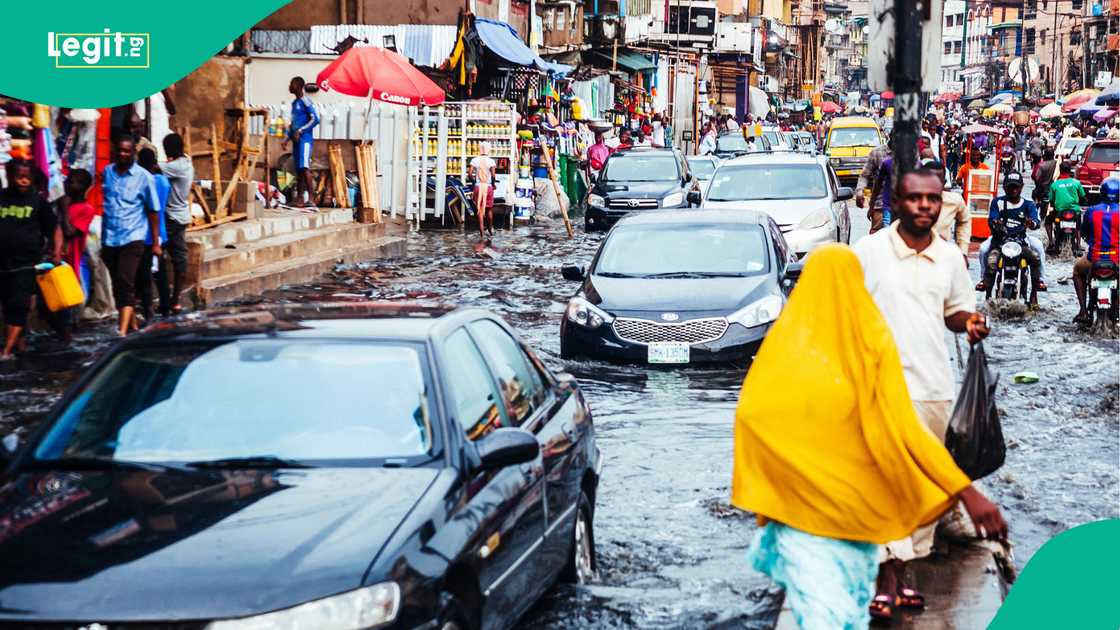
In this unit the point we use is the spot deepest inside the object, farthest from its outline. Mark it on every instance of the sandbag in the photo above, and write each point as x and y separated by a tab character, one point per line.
975	436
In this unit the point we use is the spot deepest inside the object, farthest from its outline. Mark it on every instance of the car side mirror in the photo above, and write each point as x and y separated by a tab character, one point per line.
574	273
844	193
694	198
791	273
506	447
8	447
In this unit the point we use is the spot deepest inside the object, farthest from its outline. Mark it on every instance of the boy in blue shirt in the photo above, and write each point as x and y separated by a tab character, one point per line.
304	119
145	273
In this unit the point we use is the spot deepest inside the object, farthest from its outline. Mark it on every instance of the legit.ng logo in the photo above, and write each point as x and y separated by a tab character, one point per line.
109	49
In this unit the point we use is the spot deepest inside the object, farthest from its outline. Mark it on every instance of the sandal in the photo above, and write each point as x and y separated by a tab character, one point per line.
909	598
980	286
1042	286
882	607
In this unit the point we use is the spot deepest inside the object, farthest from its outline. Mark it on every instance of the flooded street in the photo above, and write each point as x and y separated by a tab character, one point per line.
670	548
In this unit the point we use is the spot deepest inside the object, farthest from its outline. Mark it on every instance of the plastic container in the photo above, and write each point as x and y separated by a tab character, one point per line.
60	288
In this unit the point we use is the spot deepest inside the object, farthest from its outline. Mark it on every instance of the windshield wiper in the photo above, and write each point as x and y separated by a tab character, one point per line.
694	274
259	461
616	274
99	463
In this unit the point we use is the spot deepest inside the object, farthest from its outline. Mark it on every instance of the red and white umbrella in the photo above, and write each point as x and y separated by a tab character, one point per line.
379	74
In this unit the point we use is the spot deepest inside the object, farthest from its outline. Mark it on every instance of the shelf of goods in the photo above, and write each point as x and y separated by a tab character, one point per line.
444	141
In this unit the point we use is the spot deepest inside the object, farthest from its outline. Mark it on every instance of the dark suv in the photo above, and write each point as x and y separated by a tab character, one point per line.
637	179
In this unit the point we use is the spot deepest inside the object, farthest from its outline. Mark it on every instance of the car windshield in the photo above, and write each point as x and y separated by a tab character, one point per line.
1104	154
768	181
304	401
682	250
702	168
637	167
774	137
854	137
732	142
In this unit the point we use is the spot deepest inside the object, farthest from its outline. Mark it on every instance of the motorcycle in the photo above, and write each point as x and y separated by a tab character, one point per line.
1067	241
1013	279
1007	162
1104	278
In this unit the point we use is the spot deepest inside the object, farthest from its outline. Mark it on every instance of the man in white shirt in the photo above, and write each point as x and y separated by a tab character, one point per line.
482	168
921	285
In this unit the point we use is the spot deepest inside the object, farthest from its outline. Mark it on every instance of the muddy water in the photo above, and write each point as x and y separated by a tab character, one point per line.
670	549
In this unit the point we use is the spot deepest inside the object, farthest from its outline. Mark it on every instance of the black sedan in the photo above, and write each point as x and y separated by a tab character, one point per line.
357	466
673	288
637	179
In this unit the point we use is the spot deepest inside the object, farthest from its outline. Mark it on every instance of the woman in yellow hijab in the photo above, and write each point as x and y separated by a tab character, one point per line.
829	452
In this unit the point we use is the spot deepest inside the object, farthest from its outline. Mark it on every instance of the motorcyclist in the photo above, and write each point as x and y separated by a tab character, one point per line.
1066	193
1011	207
1007	151
1100	227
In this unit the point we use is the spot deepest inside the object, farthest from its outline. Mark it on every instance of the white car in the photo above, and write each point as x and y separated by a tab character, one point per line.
799	190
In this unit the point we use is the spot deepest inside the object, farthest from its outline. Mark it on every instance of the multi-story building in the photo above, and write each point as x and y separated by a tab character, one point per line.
808	17
845	44
1101	40
1052	37
952	46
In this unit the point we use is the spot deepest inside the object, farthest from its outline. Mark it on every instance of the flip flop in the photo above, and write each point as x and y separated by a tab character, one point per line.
909	598
882	607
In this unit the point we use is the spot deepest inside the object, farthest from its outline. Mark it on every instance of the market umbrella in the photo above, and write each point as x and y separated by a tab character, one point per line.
978	128
999	98
379	74
1074	100
1051	110
1110	97
1104	115
887	95
828	107
977	104
759	102
998	110
947	97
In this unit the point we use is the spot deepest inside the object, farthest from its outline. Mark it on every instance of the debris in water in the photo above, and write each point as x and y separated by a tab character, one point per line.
1025	377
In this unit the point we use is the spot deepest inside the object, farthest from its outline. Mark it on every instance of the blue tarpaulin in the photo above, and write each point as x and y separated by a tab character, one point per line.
503	41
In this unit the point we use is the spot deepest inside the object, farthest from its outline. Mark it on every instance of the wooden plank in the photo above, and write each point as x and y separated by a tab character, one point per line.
560	199
375	184
216	156
227	219
201	196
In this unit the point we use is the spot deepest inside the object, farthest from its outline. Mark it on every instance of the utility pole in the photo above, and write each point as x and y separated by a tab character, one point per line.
1053	53
906	79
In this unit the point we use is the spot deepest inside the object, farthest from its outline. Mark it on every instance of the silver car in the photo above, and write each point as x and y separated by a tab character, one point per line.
799	190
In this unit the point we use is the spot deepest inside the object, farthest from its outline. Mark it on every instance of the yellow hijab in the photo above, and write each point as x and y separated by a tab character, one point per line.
826	438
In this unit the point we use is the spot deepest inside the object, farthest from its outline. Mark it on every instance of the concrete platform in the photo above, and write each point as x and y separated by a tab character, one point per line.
283	247
963	591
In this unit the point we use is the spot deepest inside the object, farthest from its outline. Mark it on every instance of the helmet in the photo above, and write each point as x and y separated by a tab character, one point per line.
1110	189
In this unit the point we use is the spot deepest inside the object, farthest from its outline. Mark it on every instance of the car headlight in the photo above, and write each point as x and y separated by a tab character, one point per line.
586	314
367	607
815	219
595	201
1011	249
835	160
758	313
672	199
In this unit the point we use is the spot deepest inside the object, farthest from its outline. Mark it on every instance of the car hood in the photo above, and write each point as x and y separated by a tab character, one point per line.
784	212
700	296
850	152
637	190
140	545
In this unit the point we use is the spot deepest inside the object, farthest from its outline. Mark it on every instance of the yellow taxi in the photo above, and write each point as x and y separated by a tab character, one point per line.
850	139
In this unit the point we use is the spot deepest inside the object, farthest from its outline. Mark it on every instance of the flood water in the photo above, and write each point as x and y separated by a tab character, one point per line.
671	550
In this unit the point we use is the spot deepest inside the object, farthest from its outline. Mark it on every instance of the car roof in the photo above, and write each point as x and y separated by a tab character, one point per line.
403	321
643	151
694	216
775	157
853	121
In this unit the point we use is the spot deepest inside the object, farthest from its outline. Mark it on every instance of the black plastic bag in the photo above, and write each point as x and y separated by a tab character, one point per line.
975	437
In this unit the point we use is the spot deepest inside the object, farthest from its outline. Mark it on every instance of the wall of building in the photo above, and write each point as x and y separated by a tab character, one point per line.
202	96
303	14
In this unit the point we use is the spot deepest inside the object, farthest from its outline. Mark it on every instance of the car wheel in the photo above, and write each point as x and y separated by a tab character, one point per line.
452	615
565	348
581	558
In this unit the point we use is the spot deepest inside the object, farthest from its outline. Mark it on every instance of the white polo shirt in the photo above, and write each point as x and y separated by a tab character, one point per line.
916	292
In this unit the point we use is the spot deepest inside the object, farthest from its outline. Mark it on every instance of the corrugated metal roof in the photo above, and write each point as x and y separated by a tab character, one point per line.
423	44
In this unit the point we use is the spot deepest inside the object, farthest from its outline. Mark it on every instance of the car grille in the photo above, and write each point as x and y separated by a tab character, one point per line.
632	204
646	332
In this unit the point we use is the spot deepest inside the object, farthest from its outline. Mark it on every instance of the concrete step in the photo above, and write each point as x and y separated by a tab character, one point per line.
273	249
305	268
273	223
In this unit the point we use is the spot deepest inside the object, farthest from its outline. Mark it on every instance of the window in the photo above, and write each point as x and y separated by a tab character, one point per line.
1030	9
957	47
521	385
948	47
1076	5
948	21
472	391
1075	38
1028	48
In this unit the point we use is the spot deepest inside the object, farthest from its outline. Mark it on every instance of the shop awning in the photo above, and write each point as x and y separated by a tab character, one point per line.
630	61
503	41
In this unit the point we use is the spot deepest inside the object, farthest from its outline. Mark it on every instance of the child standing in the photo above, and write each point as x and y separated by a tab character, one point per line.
26	224
76	216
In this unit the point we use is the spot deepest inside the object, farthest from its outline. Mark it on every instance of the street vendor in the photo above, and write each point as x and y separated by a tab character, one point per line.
304	119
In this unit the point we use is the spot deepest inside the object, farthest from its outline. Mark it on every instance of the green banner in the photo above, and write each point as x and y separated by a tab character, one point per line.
101	54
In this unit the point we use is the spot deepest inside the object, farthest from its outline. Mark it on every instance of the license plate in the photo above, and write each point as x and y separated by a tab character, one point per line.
668	352
1069	224
1103	284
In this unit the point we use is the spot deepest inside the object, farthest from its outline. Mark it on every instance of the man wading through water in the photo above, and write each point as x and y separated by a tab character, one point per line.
921	285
